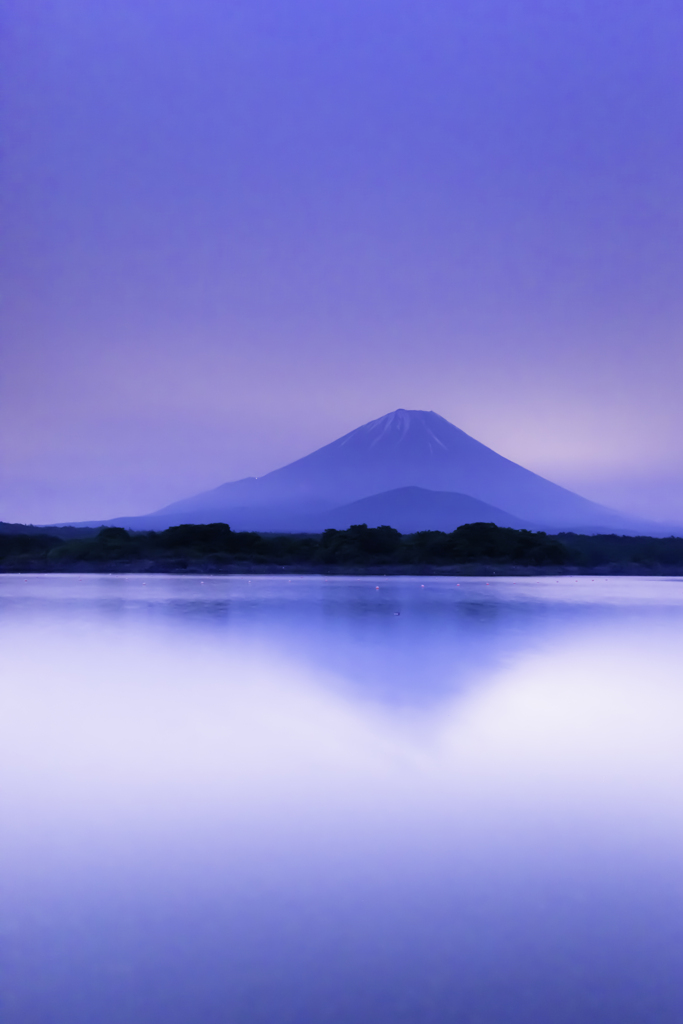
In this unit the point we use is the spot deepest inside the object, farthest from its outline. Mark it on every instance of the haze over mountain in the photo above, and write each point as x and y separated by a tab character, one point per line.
406	449
216	211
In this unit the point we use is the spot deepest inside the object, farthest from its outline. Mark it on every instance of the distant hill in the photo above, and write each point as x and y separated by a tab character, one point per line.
404	449
63	532
409	509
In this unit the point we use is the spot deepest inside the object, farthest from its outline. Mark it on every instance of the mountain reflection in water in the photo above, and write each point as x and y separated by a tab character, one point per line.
344	800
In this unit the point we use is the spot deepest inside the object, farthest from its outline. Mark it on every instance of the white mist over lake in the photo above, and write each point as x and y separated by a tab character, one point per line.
369	799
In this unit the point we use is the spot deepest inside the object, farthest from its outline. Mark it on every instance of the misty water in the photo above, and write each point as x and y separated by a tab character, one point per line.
283	801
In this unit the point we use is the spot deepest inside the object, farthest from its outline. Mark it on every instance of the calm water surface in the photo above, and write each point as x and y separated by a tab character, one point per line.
274	801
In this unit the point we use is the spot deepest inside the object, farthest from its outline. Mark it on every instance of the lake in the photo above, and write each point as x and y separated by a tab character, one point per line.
362	800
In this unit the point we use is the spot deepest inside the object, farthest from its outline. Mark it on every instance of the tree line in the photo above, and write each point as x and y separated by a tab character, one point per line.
216	547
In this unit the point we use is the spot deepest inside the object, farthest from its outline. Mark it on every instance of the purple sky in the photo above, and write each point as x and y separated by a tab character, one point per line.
234	230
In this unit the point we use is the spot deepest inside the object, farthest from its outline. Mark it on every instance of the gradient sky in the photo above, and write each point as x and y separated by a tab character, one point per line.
234	230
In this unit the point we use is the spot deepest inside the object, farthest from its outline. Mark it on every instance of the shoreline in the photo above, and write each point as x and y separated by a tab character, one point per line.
207	568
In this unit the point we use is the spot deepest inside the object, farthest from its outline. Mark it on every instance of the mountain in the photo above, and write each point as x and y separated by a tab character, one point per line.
404	449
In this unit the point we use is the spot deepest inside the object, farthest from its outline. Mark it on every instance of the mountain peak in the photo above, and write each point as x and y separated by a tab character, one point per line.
406	431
